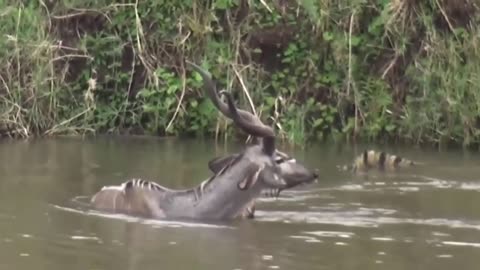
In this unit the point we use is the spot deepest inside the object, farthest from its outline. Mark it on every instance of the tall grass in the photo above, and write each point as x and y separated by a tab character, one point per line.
347	70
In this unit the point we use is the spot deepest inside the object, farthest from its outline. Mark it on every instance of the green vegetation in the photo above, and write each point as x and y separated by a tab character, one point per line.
344	70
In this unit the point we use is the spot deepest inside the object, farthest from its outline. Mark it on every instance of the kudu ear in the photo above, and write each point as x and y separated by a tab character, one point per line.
250	179
217	164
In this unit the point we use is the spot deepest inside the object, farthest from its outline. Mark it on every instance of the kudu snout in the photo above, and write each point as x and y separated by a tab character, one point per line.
295	174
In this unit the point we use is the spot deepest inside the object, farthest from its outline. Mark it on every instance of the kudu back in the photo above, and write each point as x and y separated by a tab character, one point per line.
225	195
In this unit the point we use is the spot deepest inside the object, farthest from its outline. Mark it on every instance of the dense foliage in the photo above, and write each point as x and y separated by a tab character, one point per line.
363	69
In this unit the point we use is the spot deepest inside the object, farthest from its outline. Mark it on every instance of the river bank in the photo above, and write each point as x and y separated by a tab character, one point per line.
376	71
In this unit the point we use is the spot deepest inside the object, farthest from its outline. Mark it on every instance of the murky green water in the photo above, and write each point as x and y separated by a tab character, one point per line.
427	218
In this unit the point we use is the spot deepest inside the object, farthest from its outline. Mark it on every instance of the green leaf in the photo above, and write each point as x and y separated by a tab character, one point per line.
269	101
197	77
224	4
390	127
292	48
355	40
172	89
317	122
146	93
149	108
193	103
327	36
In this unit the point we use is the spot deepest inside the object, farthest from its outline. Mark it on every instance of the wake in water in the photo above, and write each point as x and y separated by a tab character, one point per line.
314	211
328	205
82	206
378	183
358	219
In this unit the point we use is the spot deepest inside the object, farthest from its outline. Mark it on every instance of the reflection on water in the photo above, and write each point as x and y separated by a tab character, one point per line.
423	218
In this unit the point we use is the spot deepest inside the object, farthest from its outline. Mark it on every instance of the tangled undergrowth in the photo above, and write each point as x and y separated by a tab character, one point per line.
373	70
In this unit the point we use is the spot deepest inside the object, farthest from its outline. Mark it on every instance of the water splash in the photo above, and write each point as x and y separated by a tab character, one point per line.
153	222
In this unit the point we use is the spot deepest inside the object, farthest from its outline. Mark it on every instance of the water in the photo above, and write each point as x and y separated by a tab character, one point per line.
426	218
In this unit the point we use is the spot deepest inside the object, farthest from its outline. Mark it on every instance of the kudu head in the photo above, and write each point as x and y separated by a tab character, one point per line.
269	172
291	172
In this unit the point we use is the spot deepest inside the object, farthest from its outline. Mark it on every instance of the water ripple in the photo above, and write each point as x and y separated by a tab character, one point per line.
405	186
465	244
331	234
384	239
153	222
357	219
80	237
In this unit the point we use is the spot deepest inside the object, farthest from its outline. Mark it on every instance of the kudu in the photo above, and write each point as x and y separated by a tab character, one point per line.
292	173
223	196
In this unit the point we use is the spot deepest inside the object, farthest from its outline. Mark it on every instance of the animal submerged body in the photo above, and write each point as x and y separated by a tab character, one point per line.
382	161
215	198
238	180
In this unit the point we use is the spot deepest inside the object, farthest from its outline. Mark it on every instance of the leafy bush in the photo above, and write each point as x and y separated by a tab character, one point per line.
370	70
